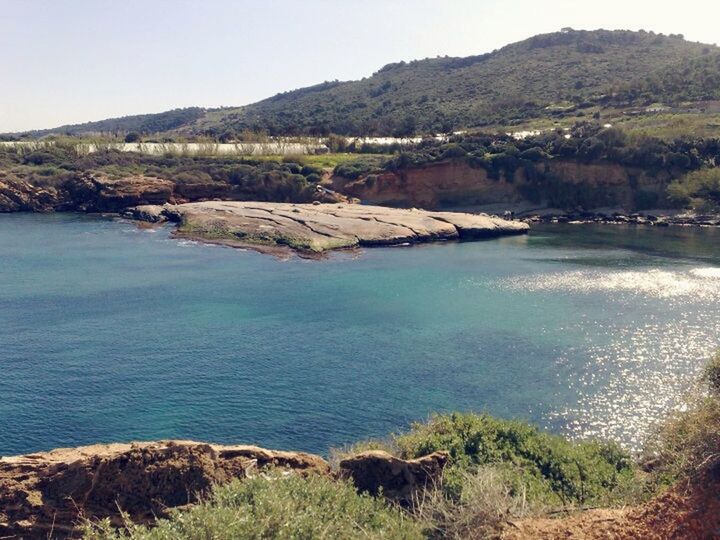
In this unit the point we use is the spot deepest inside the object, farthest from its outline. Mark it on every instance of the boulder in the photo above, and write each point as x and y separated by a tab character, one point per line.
398	479
114	195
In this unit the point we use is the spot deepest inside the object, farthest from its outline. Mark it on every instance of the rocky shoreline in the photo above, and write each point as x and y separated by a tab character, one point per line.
50	494
619	218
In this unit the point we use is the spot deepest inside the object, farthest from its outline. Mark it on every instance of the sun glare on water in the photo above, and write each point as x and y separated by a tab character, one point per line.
634	373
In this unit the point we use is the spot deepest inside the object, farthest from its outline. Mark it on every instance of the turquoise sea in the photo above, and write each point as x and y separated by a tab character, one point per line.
109	332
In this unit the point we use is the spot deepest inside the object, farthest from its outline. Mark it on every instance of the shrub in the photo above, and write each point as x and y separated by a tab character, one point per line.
192	177
699	189
534	154
353	170
132	137
549	467
277	506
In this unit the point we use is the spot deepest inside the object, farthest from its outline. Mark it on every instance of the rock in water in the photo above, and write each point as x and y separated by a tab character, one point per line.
318	228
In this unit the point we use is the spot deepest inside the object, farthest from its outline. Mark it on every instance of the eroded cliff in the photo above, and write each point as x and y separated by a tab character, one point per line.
556	183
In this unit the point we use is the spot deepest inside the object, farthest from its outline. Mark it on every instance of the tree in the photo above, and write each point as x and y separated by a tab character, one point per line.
132	137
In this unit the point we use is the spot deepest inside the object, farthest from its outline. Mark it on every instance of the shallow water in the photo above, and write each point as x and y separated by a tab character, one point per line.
109	332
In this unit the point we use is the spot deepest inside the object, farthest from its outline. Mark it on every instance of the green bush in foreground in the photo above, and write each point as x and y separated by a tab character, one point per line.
547	468
277	506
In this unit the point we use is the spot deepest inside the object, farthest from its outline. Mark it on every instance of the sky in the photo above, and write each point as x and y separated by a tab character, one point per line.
71	61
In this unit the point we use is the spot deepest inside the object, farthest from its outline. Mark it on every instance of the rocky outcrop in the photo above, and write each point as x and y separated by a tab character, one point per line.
19	196
315	228
52	491
86	192
101	194
205	190
398	479
95	193
661	219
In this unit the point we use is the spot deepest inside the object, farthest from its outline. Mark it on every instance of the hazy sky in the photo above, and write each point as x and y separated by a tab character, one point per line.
69	61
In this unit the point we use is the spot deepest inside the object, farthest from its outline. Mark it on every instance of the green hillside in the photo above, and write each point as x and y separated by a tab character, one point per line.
692	81
539	76
545	76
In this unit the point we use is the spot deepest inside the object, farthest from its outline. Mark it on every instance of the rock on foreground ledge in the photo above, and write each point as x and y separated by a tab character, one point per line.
315	228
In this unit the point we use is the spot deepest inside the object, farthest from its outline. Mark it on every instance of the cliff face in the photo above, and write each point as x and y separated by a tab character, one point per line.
19	196
457	183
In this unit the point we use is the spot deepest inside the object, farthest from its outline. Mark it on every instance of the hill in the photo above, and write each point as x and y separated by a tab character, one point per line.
546	75
693	81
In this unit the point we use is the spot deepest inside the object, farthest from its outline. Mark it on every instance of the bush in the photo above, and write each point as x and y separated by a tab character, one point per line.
353	170
699	190
277	506
132	137
192	177
549	467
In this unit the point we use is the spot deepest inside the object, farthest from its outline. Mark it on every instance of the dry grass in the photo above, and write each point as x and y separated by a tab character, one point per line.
488	500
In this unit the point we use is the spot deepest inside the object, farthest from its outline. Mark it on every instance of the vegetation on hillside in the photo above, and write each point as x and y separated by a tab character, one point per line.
564	74
699	190
692	81
687	446
553	74
138	124
547	468
288	180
